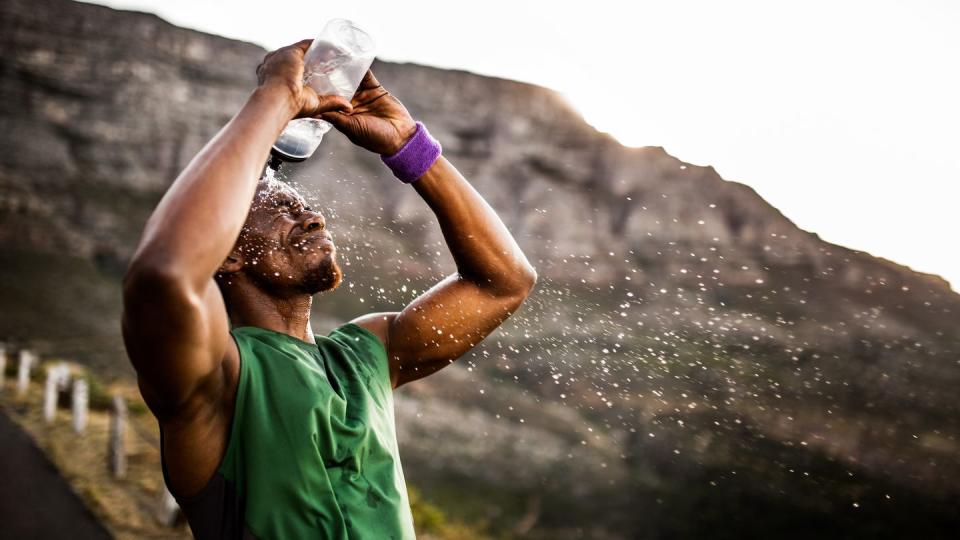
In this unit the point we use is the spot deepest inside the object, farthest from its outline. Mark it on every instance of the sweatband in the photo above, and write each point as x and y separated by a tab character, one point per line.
415	156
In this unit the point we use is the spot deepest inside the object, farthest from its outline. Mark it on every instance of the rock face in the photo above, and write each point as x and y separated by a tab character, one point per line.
688	350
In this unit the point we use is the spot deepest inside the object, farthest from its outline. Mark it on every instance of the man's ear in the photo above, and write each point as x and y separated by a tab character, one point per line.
233	263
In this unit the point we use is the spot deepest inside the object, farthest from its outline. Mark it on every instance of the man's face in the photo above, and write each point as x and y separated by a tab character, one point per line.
285	246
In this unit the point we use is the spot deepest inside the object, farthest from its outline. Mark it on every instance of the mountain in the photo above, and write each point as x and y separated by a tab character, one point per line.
690	363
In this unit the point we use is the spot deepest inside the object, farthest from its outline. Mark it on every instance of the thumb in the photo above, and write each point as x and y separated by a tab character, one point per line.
324	104
331	103
338	119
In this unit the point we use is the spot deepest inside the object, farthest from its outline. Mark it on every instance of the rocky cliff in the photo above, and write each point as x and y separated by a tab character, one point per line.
688	351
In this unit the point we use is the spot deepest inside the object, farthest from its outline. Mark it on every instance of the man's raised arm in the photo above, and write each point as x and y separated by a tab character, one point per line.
493	279
493	276
175	324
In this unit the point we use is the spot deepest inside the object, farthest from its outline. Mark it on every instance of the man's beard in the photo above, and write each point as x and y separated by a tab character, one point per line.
324	277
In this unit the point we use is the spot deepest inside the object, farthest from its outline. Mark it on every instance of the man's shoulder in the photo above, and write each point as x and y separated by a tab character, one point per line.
378	324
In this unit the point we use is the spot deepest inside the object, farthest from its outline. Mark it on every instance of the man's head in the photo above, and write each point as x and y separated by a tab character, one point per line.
284	248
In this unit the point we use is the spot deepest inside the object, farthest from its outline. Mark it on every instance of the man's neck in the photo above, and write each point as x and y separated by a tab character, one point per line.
249	306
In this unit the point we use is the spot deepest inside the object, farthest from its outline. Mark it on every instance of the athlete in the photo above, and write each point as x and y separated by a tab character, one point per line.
267	430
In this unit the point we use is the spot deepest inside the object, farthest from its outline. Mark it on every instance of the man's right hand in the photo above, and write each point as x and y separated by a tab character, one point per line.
282	70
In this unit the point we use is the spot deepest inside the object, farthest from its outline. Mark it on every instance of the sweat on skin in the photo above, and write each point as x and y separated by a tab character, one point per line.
213	290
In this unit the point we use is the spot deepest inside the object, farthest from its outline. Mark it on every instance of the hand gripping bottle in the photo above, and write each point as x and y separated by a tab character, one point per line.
334	64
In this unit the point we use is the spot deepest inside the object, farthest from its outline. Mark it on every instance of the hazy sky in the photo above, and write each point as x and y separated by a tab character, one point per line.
845	115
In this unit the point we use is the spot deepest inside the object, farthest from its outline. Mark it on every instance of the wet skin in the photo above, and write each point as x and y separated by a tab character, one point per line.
223	248
286	245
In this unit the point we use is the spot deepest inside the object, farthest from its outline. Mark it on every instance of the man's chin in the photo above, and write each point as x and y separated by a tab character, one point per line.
325	278
338	279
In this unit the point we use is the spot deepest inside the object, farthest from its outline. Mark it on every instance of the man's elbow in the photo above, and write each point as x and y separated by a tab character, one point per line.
516	282
530	278
525	281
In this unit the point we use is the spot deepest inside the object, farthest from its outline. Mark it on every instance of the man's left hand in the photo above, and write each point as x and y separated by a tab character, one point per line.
378	122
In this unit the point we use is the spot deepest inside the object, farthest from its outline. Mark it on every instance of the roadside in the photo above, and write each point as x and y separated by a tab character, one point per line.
35	501
126	508
56	483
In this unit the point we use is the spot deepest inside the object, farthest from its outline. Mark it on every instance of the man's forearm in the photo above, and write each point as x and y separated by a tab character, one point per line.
198	220
484	250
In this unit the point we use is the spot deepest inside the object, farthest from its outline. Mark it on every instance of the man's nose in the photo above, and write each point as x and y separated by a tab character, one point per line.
314	221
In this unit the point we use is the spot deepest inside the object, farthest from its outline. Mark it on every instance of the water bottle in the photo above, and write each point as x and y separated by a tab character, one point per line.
334	64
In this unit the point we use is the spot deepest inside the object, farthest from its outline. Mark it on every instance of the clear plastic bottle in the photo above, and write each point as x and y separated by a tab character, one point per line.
334	64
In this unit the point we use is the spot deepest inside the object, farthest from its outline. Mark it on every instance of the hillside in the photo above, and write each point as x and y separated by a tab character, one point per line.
691	361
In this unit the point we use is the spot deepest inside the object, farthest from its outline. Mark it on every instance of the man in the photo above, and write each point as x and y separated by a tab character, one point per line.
268	431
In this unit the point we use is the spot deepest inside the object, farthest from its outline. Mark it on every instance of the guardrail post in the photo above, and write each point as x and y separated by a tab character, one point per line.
80	402
23	371
118	424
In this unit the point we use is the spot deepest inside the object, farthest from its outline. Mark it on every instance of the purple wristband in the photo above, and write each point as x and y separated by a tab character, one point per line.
415	156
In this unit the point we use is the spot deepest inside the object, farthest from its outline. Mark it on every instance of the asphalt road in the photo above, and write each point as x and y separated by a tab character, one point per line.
35	501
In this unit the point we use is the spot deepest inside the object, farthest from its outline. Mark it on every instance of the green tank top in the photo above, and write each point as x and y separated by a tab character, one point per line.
313	447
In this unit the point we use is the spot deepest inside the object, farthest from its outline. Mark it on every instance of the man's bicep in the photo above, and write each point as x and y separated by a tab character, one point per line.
443	324
176	340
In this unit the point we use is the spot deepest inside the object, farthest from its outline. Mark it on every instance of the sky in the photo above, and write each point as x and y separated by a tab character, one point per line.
843	114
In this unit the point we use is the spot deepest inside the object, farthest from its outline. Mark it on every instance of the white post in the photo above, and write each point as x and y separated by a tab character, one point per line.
168	509
80	402
23	372
50	393
3	364
118	424
63	377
